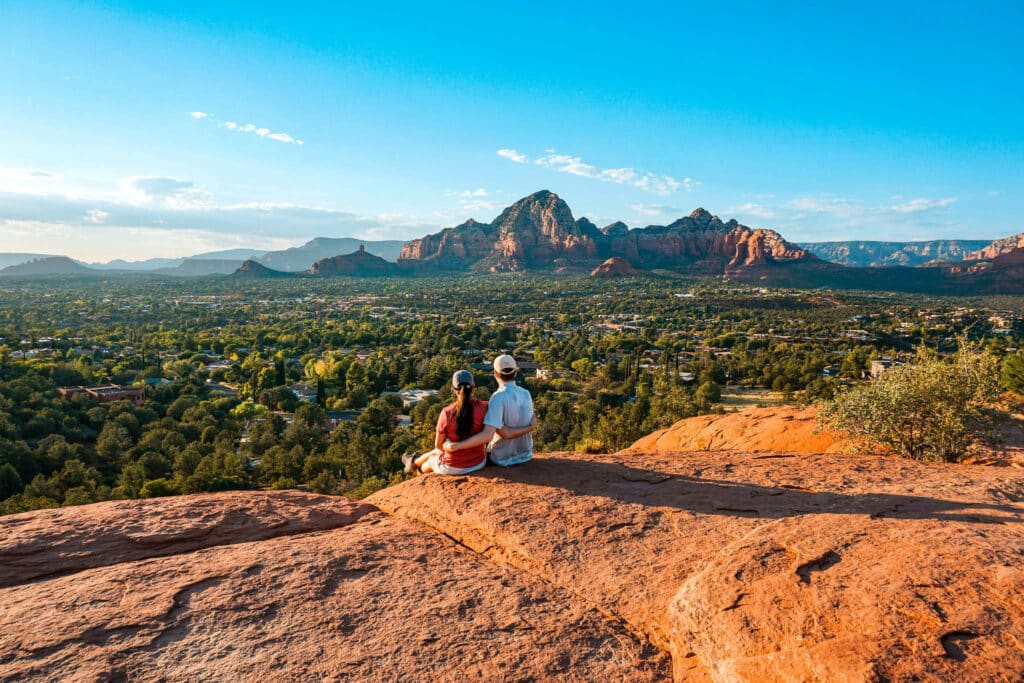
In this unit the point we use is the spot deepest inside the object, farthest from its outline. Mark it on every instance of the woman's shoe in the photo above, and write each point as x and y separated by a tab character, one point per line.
409	460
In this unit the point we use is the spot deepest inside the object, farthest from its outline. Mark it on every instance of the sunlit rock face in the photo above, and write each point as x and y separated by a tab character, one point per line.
697	565
539	232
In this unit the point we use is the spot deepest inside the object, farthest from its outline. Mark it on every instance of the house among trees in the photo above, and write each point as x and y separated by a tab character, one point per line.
410	397
878	367
304	392
106	393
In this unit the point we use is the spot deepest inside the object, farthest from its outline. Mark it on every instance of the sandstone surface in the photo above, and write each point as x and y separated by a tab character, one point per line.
785	428
709	565
771	567
376	599
67	540
614	267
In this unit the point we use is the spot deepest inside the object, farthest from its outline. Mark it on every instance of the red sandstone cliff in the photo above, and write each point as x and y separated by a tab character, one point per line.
539	230
997	248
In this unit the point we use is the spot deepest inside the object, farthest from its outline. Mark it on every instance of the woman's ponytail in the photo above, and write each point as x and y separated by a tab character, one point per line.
464	411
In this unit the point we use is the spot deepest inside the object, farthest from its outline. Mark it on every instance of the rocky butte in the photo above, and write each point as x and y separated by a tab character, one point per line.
539	232
359	263
672	560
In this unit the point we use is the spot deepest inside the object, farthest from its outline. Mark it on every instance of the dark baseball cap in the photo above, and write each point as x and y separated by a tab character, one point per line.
462	377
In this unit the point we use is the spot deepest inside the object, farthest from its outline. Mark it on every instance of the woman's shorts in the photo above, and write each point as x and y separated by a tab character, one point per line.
441	468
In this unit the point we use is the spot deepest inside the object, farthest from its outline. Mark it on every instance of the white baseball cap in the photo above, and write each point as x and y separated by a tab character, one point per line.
505	364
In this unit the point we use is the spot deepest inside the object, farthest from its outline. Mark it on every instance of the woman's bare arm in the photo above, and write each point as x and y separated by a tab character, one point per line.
478	439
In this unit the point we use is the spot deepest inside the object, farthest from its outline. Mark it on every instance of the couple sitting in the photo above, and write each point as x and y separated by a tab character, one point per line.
466	427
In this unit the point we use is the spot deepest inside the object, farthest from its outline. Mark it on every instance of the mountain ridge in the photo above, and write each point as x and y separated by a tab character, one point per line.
540	232
874	254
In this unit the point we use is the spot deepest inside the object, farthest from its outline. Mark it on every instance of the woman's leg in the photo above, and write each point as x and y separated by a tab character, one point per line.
423	461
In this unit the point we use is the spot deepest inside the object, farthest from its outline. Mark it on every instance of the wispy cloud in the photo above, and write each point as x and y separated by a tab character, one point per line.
656	209
261	131
816	218
751	209
513	155
479	205
169	193
922	204
145	216
663	185
96	216
28	180
839	207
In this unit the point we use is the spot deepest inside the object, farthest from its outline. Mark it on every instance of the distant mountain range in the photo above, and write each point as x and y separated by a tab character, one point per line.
47	265
14	259
539	233
874	254
223	262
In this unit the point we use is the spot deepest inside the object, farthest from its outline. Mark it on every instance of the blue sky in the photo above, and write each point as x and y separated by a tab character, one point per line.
141	129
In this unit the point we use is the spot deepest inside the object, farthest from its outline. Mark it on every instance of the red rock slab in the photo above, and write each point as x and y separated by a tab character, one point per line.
382	599
785	428
54	542
777	566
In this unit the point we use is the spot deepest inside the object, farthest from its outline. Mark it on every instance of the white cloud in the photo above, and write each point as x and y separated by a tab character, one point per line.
261	131
28	180
820	218
96	216
923	204
663	185
479	192
751	209
993	193
169	193
833	206
655	209
513	155
102	243
148	216
479	205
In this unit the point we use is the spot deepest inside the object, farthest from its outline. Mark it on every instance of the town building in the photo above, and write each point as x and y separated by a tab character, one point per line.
106	393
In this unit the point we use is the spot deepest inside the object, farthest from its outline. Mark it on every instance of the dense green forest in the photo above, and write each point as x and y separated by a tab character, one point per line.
608	361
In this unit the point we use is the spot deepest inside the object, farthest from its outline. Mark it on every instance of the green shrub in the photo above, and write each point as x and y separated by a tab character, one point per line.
157	488
1012	375
928	410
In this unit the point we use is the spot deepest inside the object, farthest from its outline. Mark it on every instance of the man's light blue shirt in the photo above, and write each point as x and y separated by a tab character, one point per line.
510	406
